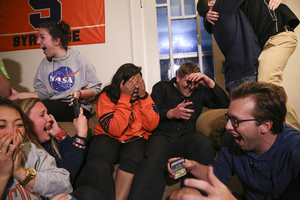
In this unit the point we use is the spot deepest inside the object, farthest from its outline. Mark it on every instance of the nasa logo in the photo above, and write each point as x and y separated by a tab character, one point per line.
62	79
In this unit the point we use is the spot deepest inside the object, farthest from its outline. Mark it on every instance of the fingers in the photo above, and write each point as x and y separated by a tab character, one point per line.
213	179
273	4
171	173
199	184
81	111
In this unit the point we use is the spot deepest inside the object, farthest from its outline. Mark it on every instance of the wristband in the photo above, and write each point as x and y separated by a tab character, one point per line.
61	135
80	94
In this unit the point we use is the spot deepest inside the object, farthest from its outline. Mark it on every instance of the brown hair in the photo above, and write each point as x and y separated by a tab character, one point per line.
59	30
270	102
187	68
26	105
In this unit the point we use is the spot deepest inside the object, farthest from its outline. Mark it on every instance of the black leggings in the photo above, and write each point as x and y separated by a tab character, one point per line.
62	111
96	174
87	193
112	151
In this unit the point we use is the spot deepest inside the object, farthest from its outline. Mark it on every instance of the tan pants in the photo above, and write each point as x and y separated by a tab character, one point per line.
272	62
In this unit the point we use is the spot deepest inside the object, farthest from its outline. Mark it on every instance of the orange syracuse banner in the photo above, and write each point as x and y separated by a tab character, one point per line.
20	19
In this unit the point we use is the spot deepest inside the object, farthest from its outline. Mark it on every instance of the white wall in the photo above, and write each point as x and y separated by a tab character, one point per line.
291	76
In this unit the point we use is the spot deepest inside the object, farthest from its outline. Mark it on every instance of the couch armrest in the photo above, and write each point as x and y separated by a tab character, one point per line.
212	123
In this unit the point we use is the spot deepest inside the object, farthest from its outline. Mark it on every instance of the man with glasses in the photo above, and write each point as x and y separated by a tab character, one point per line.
258	147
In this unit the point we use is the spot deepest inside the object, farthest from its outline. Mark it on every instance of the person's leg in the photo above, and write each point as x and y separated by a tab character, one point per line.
272	62
96	173
87	193
62	111
233	84
131	156
197	147
105	148
150	179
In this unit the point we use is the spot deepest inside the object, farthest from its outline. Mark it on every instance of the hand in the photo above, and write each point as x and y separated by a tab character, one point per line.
80	124
171	173
188	165
6	158
129	86
74	94
14	95
212	16
180	112
55	127
273	4
201	79
216	190
18	171
141	92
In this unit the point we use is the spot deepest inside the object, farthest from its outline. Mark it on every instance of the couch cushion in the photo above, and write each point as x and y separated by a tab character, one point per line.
212	123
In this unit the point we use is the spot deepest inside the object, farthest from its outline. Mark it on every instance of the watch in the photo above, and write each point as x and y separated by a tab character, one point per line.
30	174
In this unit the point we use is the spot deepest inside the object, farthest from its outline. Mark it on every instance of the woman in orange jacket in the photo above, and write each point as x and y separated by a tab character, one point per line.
127	115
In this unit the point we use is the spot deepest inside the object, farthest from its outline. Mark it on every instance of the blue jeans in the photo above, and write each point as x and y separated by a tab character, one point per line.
233	84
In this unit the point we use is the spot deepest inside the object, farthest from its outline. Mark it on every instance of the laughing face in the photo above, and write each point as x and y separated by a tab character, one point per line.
42	122
134	95
247	135
186	87
47	43
10	119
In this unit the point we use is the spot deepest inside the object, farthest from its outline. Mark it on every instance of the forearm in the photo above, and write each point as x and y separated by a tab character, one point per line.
25	95
5	86
3	181
87	93
20	175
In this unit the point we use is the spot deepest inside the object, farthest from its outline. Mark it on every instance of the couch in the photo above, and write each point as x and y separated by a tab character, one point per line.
210	123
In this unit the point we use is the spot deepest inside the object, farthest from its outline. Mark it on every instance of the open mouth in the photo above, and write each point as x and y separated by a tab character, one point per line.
135	92
238	137
48	128
44	48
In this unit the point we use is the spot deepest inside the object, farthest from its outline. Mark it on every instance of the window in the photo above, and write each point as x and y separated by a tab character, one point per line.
178	33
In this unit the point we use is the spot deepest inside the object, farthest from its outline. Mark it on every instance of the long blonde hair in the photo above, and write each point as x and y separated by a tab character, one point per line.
26	105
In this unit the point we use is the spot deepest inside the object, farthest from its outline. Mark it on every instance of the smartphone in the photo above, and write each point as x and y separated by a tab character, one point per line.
134	138
191	106
76	107
177	168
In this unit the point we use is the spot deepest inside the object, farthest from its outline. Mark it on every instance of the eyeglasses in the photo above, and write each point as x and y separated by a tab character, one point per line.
235	122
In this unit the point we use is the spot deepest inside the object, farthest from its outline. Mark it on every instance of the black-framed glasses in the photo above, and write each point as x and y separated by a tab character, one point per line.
236	122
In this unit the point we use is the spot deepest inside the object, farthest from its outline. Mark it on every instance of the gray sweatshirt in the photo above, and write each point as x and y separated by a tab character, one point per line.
49	181
55	79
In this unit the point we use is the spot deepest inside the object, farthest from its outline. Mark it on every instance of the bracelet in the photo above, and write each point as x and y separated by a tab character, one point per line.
80	94
78	145
61	135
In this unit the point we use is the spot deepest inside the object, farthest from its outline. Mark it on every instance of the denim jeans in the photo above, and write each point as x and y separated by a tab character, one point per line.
233	84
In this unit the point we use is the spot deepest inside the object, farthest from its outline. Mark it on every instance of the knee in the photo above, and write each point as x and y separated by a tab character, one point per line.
99	166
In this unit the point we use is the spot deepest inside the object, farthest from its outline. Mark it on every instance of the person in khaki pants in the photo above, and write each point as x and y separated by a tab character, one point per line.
274	25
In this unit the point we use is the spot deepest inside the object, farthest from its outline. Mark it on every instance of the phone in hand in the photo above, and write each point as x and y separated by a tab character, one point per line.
191	106
76	106
177	168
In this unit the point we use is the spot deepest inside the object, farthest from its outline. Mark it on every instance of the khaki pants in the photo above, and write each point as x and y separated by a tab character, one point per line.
272	62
